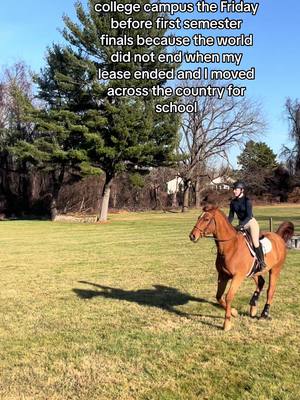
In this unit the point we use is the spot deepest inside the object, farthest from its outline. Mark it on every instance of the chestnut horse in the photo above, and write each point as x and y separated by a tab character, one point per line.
234	260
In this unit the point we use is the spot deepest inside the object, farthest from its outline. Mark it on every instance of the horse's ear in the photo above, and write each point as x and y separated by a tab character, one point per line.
209	207
209	202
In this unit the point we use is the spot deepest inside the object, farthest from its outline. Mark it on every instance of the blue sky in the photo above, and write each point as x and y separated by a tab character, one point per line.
27	27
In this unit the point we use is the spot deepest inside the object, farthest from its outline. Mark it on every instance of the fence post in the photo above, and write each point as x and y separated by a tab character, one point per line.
271	224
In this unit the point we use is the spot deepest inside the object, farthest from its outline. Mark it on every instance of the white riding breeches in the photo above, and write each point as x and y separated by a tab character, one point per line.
253	227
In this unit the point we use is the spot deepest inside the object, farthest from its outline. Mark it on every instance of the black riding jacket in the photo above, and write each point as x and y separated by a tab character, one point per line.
242	207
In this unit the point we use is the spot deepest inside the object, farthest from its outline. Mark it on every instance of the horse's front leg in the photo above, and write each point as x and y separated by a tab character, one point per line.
235	284
222	283
259	281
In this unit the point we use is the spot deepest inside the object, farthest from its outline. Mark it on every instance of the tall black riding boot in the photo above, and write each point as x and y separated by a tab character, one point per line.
260	256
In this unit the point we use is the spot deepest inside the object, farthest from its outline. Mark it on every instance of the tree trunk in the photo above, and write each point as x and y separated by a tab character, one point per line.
105	199
114	197
4	186
24	191
155	196
198	194
297	166
53	208
174	195
186	195
57	184
174	199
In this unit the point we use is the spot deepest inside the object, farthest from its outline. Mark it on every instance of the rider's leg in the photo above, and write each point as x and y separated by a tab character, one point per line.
253	227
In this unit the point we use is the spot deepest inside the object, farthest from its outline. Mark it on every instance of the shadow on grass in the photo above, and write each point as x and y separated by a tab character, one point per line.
164	297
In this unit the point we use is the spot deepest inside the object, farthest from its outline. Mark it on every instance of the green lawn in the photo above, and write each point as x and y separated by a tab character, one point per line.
127	310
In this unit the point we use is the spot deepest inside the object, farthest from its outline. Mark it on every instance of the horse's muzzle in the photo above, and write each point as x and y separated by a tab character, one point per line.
193	237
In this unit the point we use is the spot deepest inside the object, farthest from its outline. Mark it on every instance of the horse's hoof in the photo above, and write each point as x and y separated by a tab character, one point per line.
266	312
234	312
266	317
227	326
253	311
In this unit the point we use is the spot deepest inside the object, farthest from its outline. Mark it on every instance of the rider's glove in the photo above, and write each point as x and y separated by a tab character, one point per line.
240	227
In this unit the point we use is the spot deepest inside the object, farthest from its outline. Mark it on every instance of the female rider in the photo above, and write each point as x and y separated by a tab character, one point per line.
242	207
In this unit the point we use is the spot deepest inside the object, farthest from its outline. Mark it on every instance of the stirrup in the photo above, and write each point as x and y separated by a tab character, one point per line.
262	265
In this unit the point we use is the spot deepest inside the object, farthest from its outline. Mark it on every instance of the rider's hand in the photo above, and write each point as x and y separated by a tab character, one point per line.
240	227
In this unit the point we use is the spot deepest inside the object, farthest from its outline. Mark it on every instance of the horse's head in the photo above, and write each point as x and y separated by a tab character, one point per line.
205	224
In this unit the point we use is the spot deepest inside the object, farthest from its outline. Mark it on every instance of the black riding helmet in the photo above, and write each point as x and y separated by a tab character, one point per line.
239	185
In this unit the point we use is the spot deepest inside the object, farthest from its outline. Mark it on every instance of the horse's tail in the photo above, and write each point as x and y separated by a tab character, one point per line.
286	230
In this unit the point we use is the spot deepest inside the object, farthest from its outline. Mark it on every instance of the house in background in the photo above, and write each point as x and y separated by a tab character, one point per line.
221	183
175	185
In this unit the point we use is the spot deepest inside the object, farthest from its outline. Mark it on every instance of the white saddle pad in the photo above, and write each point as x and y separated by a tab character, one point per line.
266	245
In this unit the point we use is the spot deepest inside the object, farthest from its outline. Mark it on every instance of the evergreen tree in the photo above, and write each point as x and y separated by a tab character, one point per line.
257	162
87	126
55	146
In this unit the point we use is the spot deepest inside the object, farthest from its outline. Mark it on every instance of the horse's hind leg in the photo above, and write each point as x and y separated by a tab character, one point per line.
222	283
274	275
259	281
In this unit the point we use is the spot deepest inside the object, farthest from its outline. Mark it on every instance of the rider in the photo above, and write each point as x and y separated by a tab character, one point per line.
242	206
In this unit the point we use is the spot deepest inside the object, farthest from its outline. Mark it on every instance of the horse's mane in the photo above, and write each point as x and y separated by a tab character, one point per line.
225	218
216	210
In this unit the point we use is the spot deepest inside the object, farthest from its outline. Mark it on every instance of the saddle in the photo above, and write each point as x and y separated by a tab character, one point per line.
266	246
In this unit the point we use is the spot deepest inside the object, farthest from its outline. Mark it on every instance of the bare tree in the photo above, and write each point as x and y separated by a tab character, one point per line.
16	95
210	132
16	90
292	155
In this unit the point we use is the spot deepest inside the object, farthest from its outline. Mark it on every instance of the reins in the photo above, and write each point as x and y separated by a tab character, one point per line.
219	240
202	232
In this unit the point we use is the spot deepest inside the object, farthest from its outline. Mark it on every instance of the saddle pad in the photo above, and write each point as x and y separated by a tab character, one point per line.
266	245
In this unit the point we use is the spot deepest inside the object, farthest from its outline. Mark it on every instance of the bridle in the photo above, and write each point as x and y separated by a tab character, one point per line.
203	231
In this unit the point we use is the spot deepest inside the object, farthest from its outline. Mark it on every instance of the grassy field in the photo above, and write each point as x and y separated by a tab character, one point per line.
127	310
